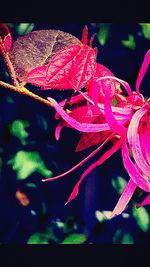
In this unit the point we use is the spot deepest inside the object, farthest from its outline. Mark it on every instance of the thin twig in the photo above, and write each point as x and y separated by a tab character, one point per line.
25	91
9	64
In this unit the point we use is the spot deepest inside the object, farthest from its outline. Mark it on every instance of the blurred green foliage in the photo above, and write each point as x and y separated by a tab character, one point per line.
43	237
68	234
130	42
103	216
103	33
31	185
119	184
21	28
122	237
24	163
74	238
18	129
142	218
37	238
145	30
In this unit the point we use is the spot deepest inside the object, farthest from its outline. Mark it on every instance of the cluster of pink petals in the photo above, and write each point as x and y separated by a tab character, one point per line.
127	125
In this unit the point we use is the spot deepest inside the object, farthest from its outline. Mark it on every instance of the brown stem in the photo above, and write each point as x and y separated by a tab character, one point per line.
25	91
9	64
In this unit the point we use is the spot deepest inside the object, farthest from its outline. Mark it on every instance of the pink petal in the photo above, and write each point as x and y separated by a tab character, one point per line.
134	142
58	131
124	83
143	70
81	162
133	170
124	198
102	159
126	111
95	85
113	123
145	202
145	142
83	127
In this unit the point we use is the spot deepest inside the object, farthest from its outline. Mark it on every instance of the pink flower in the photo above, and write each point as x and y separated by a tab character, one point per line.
127	125
136	147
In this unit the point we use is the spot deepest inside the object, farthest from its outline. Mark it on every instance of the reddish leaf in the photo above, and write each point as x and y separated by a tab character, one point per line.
86	114
83	67
85	35
5	37
89	114
71	68
37	48
57	73
88	140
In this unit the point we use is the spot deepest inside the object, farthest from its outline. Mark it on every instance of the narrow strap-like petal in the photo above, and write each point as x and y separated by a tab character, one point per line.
134	142
81	162
133	170
143	70
145	202
124	198
113	123
58	131
146	142
101	160
83	127
124	83
126	111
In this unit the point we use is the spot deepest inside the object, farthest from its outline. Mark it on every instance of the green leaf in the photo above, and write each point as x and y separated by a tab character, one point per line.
37	238
103	215
142	218
32	185
42	237
23	28
17	128
122	237
119	184
114	102
49	234
103	33
60	224
145	30
25	163
74	239
130	42
127	239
